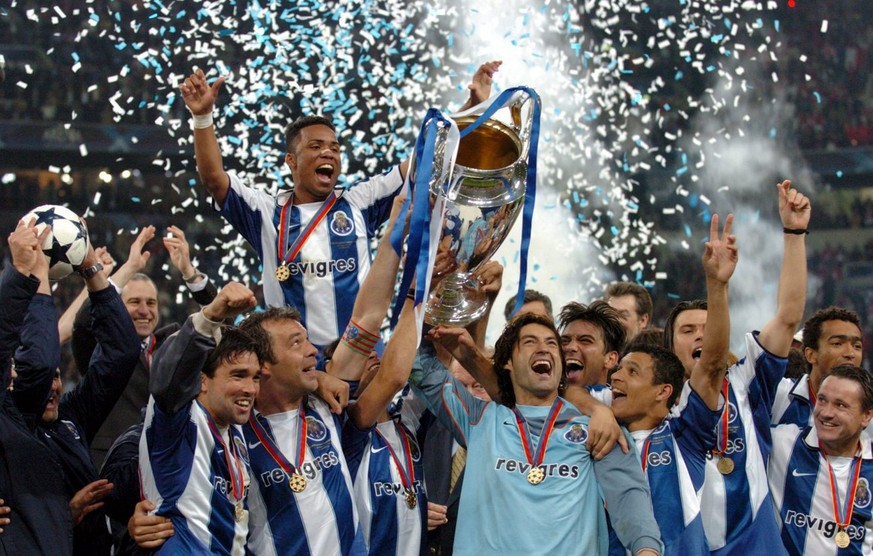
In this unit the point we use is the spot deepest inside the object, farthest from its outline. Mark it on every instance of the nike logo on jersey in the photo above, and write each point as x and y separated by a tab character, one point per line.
794	473
374	450
255	445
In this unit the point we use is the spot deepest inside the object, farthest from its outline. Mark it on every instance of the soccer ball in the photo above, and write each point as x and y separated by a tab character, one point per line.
66	244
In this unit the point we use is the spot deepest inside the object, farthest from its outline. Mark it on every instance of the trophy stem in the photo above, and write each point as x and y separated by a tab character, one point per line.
456	301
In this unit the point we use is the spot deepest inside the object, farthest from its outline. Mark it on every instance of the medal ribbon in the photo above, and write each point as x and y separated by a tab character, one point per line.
646	445
811	393
407	476
725	414
835	495
288	255
270	445
524	433
149	349
237	489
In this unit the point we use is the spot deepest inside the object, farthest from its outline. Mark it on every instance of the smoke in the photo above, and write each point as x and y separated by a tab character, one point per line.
747	152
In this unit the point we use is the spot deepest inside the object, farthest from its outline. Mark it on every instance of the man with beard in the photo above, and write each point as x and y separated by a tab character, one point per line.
528	467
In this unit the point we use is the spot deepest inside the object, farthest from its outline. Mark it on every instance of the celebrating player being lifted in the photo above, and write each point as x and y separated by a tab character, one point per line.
312	240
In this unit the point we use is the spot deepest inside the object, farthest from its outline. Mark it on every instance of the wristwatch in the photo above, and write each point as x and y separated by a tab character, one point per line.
91	271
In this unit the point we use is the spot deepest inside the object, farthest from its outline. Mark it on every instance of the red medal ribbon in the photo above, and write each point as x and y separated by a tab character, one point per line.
524	433
271	448
811	393
853	486
725	415
238	490
646	445
149	349
288	255
407	476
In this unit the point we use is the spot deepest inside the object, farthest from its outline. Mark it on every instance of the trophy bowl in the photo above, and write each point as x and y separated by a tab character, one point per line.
484	196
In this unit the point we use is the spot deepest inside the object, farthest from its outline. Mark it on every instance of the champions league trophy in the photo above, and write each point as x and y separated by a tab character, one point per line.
484	167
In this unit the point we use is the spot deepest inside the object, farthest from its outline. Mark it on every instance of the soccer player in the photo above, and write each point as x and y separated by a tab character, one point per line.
530	482
645	387
633	304
301	497
736	503
831	337
820	475
193	459
313	245
384	457
591	337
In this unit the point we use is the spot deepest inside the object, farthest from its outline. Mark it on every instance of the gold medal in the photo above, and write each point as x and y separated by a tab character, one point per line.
535	476
411	499
282	273
725	465
297	482
842	538
238	510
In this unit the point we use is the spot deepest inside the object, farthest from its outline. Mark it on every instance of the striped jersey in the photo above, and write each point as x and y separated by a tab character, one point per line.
674	458
794	402
184	472
327	273
801	487
736	508
389	525
320	520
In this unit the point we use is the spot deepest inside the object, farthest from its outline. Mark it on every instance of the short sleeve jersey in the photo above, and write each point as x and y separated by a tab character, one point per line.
327	273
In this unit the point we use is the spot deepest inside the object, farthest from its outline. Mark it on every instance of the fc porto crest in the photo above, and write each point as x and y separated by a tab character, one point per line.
241	448
315	430
341	224
576	434
862	493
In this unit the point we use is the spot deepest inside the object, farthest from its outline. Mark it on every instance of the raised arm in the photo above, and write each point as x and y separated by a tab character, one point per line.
175	372
392	375
113	361
719	262
480	86
794	212
200	99
83	339
68	317
202	289
29	322
370	308
459	343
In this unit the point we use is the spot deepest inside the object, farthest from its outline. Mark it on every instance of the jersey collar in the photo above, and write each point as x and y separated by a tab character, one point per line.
811	441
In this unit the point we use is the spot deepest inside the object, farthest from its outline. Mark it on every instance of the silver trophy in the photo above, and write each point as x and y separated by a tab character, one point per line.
484	193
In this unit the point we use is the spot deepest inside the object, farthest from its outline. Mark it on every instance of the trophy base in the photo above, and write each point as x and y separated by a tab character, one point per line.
456	301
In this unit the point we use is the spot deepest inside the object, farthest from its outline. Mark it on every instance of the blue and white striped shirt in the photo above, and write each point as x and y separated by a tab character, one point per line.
331	266
389	525
800	483
321	520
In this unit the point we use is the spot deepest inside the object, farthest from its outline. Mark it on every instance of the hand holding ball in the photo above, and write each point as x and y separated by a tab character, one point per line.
66	244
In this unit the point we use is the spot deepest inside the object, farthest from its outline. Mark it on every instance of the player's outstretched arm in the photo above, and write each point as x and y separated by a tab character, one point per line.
371	305
794	212
200	97
719	262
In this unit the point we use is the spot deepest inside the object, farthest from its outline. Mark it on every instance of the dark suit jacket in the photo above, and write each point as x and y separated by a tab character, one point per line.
436	442
128	410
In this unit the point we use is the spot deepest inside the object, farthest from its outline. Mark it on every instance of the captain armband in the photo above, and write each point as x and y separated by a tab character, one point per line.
358	339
